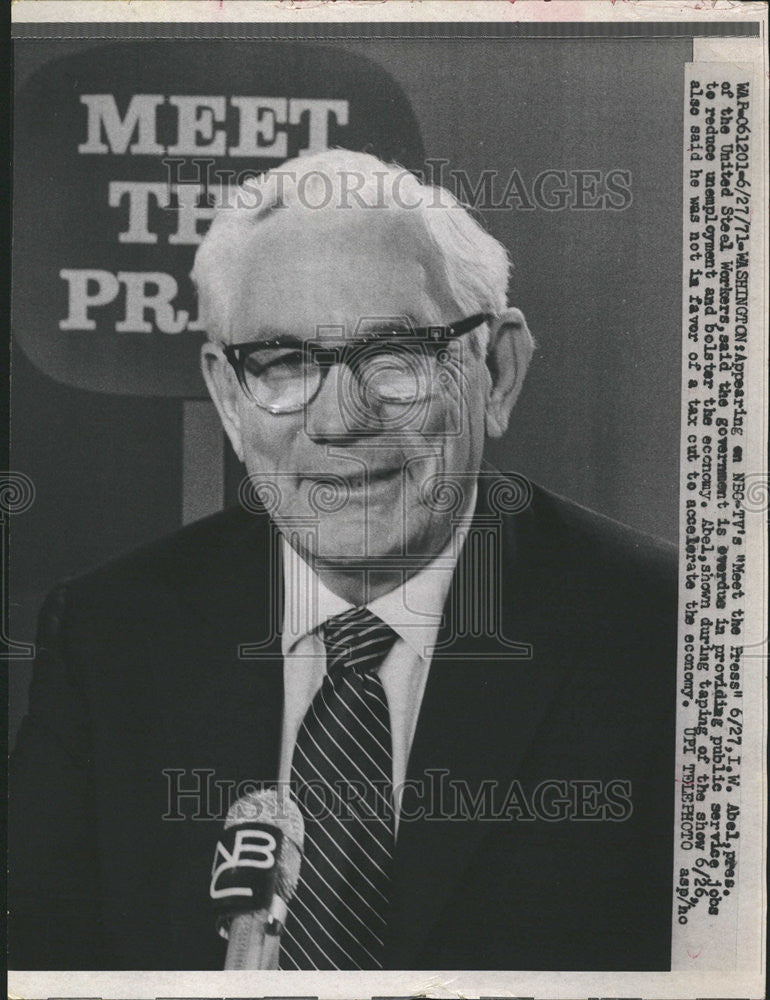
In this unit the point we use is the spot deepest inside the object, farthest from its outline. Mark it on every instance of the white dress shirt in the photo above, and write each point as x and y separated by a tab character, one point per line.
413	610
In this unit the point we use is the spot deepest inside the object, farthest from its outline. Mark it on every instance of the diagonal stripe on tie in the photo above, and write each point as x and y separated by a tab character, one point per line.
342	779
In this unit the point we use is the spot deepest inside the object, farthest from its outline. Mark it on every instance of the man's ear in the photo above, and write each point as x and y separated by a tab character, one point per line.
224	389
508	354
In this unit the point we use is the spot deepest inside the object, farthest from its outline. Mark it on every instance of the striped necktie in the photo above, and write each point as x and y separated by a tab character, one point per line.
342	775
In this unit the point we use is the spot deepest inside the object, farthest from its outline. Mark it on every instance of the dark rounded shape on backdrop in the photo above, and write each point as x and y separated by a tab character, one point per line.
122	153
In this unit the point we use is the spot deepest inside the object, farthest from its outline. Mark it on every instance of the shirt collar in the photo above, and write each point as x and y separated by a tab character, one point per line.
413	610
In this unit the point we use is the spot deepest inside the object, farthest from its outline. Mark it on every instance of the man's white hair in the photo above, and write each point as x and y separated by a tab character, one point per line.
476	266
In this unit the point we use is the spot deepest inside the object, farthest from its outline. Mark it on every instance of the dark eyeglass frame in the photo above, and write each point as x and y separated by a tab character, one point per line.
319	352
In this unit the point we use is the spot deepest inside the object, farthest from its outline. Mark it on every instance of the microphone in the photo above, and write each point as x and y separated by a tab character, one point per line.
254	876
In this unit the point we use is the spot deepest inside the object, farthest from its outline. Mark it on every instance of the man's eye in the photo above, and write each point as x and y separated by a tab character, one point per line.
288	365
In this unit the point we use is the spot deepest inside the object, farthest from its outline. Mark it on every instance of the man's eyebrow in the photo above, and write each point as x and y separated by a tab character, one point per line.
402	328
384	329
277	340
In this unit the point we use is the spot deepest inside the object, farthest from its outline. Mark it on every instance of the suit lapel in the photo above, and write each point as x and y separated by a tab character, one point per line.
483	704
226	680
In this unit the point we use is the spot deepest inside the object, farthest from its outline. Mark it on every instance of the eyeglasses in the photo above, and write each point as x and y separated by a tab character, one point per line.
398	365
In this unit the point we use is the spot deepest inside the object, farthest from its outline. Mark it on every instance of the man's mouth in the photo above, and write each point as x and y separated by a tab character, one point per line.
362	481
371	478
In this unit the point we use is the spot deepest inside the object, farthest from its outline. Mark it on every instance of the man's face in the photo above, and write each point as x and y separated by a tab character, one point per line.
351	480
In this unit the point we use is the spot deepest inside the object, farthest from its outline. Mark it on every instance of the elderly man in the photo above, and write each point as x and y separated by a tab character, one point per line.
467	682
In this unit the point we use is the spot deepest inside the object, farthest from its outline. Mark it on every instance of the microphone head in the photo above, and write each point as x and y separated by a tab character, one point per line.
271	808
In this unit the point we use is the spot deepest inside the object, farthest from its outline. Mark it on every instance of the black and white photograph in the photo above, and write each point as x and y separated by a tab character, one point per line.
386	501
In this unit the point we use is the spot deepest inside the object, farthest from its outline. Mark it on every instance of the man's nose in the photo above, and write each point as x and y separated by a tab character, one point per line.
338	414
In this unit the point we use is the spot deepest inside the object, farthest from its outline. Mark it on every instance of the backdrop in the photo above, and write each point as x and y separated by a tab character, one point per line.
581	144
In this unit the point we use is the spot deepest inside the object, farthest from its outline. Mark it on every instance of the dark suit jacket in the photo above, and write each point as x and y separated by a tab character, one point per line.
138	678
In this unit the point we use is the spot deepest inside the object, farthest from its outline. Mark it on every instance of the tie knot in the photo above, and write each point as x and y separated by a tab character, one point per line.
356	640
